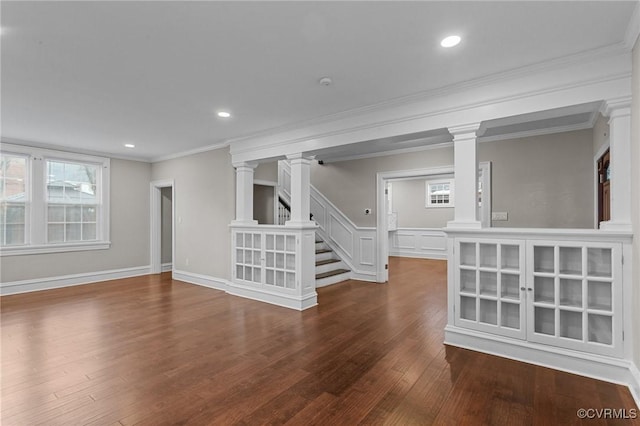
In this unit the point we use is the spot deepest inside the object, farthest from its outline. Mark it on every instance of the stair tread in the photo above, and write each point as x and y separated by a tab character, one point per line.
331	273
319	251
327	261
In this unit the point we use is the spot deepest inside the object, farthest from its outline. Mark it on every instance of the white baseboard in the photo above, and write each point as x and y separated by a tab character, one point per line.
202	280
284	300
166	267
422	255
25	286
634	385
363	276
598	367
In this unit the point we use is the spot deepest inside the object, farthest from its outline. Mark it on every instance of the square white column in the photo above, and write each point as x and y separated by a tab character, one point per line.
300	190
244	194
466	176
619	112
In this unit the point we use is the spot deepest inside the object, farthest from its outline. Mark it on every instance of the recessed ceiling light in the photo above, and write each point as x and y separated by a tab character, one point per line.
450	41
224	114
129	145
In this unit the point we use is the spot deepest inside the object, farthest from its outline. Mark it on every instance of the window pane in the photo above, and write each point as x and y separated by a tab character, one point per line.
55	233
89	213
88	231
13	172
73	232
14	234
56	213
15	213
73	214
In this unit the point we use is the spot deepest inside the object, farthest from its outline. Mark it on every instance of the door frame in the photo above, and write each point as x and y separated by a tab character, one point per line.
156	224
596	213
382	237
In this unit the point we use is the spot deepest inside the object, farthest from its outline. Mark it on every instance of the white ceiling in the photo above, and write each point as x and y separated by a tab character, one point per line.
95	75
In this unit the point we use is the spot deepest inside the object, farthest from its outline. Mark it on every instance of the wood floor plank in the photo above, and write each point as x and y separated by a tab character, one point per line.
153	351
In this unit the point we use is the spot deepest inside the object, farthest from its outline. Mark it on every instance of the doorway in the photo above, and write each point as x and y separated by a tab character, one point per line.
604	188
162	226
386	220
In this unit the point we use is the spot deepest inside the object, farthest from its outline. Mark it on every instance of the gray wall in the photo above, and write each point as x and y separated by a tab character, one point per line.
129	201
409	198
204	205
266	171
351	185
166	218
263	199
543	181
635	189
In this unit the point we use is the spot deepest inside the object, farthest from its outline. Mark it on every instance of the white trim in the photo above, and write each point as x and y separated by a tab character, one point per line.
54	248
416	249
155	223
614	370
279	299
201	280
600	54
37	284
634	383
536	132
181	154
36	240
166	267
260	295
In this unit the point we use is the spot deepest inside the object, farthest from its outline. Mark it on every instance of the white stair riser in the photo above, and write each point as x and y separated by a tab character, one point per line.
323	282
330	267
324	256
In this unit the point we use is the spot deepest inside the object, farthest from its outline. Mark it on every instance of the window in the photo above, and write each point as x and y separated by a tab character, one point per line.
14	199
52	201
439	193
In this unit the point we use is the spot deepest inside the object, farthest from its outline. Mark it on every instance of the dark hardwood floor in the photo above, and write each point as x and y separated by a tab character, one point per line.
153	351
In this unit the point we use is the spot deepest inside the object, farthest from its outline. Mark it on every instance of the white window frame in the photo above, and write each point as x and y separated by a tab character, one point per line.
36	227
429	183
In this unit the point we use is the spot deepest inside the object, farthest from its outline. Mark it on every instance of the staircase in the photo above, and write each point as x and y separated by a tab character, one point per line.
329	268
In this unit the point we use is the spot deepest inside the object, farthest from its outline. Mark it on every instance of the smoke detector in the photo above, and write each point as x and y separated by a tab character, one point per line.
325	81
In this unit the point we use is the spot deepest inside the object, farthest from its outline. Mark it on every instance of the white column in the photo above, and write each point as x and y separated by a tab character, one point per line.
619	112
300	190
466	176
244	193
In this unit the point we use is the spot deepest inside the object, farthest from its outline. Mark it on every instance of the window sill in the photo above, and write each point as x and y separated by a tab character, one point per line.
54	248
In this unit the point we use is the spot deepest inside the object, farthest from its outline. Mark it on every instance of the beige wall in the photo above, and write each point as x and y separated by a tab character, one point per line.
635	189
204	205
351	185
129	201
408	201
543	181
266	171
165	201
263	199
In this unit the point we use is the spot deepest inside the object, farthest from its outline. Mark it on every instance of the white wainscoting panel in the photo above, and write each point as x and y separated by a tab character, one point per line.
427	243
340	233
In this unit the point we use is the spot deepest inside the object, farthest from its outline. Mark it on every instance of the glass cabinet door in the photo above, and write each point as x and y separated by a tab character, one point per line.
571	297
489	279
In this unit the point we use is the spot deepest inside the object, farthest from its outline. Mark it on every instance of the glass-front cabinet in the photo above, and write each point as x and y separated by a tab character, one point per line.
489	279
566	294
573	298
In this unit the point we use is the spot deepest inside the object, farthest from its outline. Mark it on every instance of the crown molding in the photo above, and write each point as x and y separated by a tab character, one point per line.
72	150
539	132
388	153
187	153
554	64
